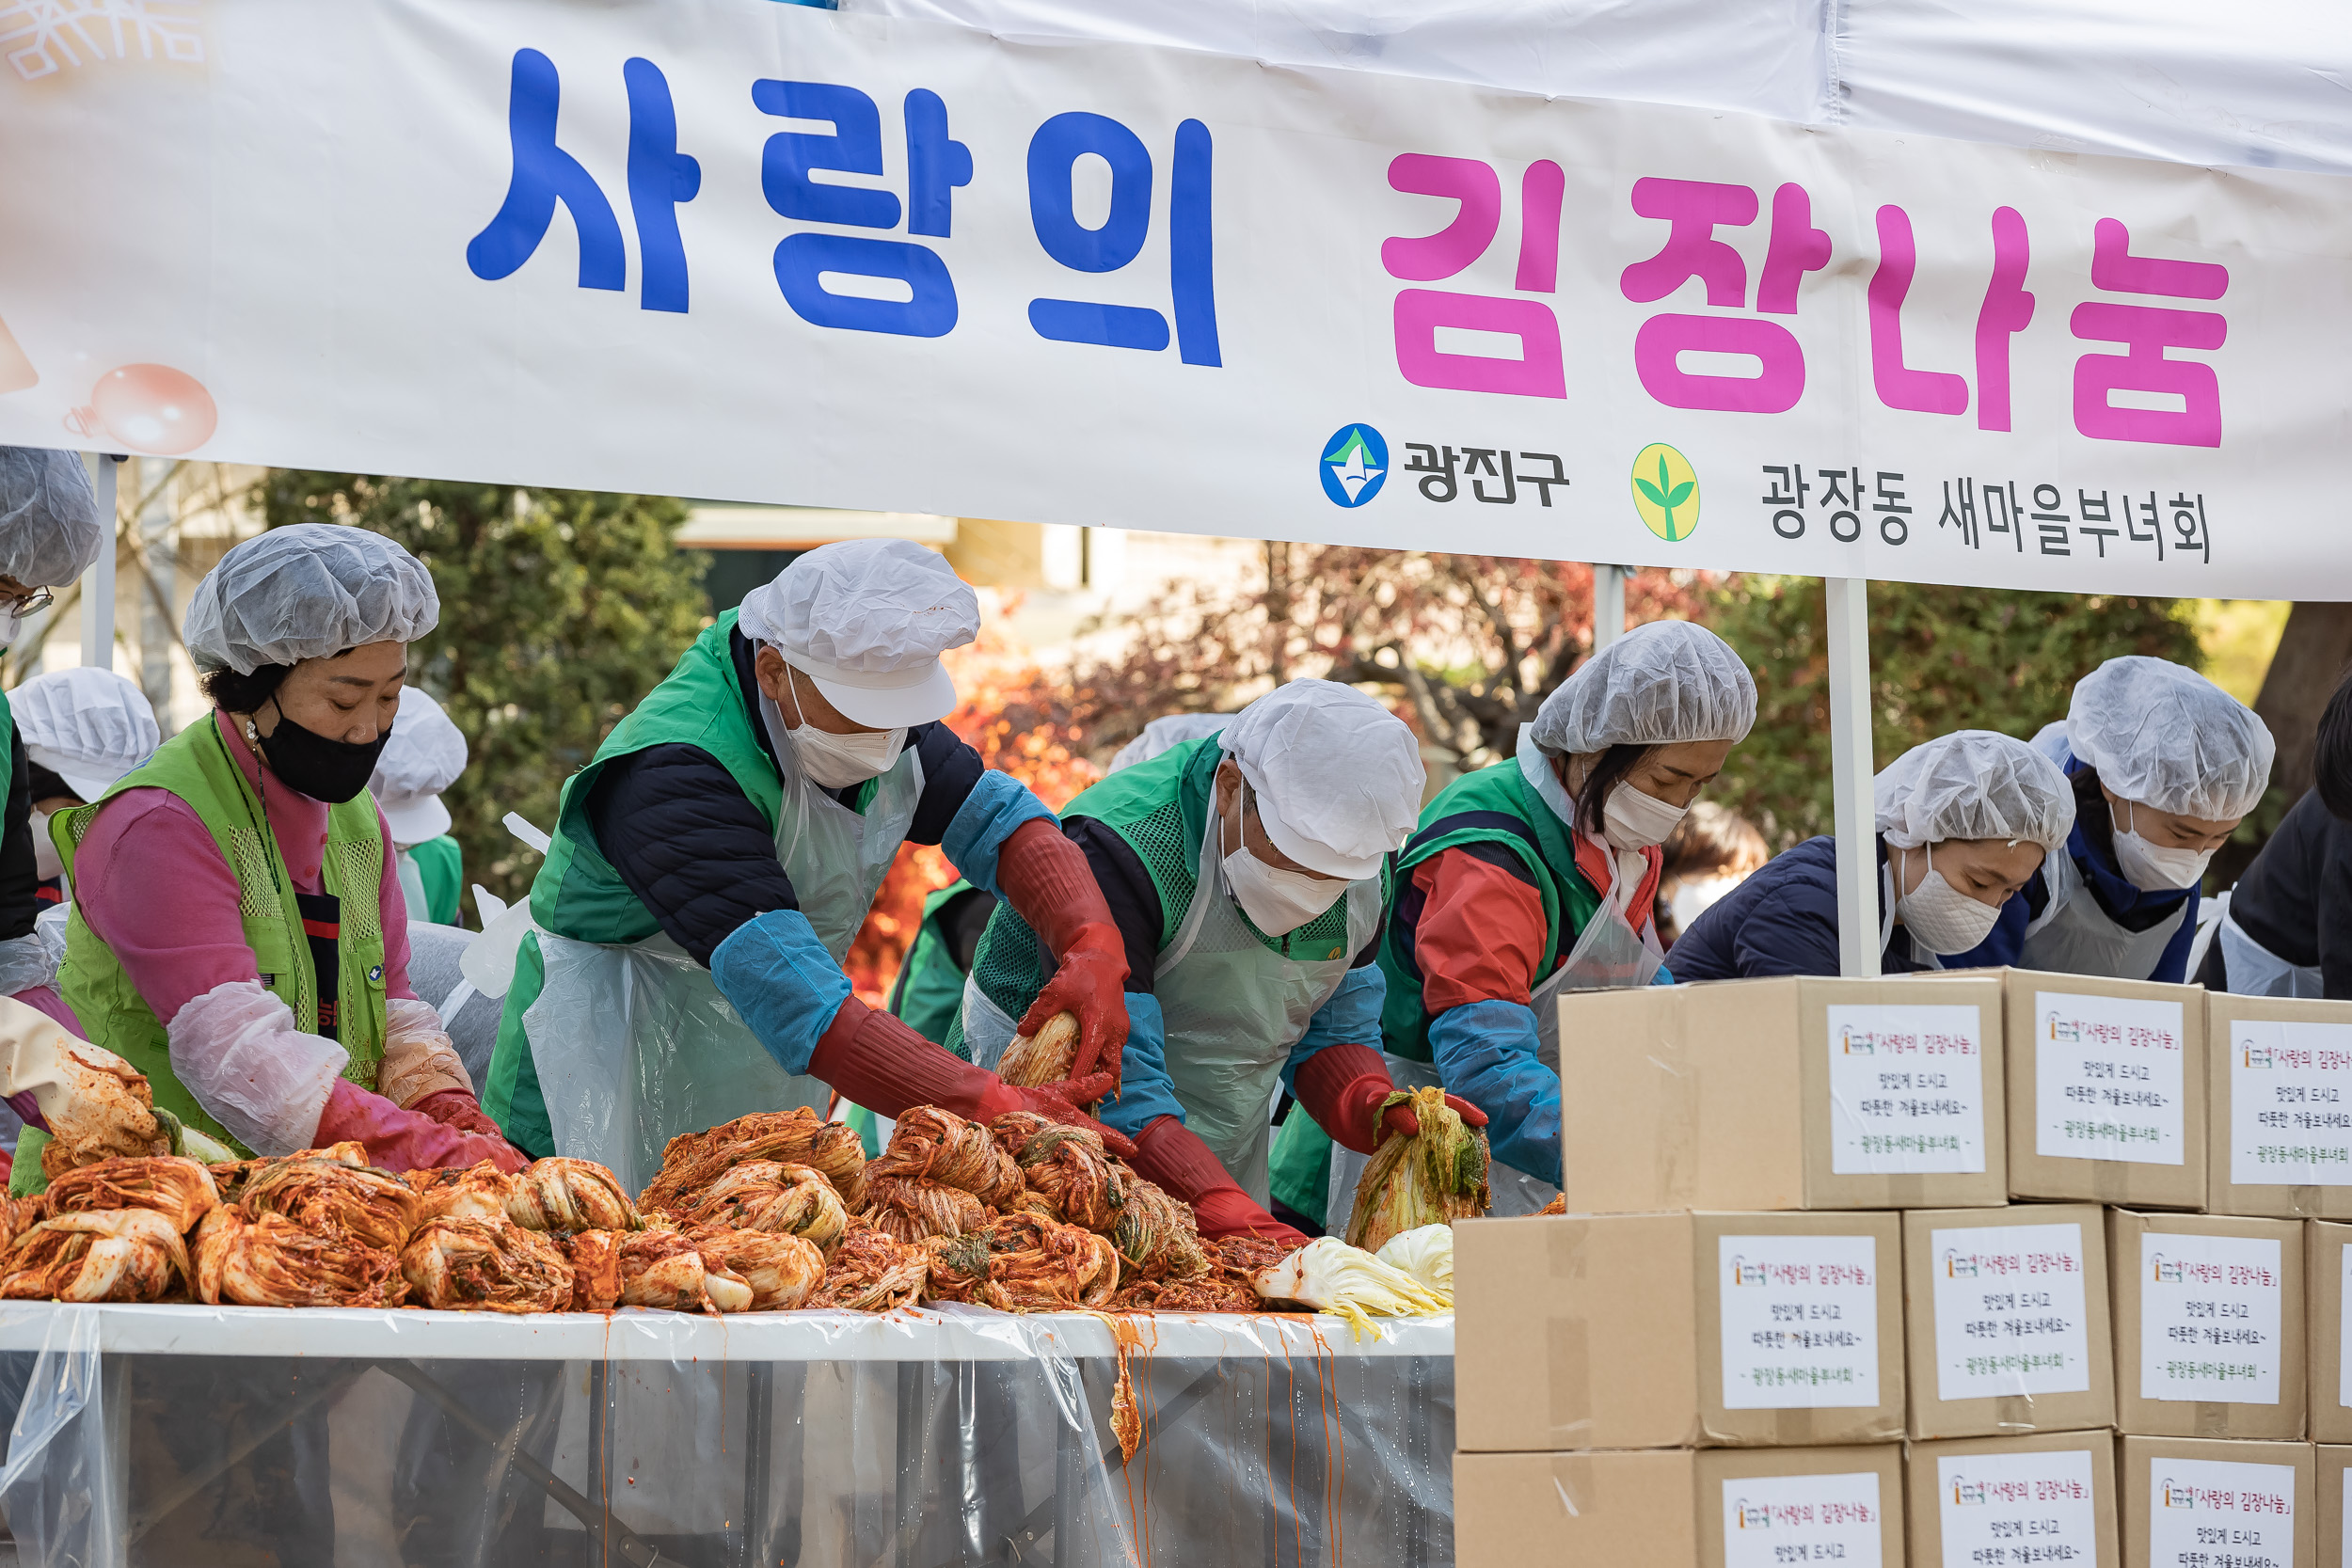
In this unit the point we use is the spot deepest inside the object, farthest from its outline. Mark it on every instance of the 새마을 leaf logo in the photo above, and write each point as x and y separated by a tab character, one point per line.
1667	492
1355	464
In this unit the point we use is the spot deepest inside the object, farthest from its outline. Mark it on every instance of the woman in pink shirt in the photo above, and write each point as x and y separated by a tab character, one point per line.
239	932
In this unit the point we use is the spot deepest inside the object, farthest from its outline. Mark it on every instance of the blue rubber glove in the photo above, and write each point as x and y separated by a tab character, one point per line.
773	971
1145	1092
1485	1054
1351	1016
999	804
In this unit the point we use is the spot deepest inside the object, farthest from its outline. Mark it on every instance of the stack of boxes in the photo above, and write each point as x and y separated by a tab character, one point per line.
1992	1270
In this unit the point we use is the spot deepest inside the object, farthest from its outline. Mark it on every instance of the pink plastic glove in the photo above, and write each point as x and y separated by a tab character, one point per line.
398	1140
1049	884
456	1108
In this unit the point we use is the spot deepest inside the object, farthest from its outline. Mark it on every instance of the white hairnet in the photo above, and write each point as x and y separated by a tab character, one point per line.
1161	734
1336	776
868	619
88	725
311	591
1974	783
423	757
2164	736
1659	685
50	530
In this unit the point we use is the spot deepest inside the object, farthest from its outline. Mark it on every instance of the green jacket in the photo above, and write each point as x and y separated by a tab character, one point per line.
441	866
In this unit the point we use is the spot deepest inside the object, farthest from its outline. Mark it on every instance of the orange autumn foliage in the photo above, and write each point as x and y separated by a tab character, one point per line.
1018	718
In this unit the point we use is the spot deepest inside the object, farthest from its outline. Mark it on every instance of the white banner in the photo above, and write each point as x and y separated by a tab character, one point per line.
733	249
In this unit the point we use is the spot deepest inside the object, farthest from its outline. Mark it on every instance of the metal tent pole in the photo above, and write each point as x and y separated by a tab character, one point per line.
1851	768
98	583
1608	605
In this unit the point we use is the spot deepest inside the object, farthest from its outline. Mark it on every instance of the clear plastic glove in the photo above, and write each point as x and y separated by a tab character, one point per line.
92	1101
418	1060
398	1140
236	1050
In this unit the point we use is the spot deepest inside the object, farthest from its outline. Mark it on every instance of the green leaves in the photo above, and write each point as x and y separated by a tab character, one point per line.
1680	494
1657	496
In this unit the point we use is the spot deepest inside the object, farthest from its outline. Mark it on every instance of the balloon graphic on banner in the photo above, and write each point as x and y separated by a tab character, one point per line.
16	372
150	408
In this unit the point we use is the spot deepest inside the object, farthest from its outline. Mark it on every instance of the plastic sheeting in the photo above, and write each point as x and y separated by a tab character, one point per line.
191	1436
2179	80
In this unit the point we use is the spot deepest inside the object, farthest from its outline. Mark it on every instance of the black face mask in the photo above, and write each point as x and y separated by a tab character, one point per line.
307	761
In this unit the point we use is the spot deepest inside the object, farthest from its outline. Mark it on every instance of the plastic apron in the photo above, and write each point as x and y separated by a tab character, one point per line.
633	1043
2078	937
2249	969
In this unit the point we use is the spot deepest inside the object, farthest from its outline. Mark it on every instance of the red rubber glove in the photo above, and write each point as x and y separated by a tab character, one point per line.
1343	1085
398	1140
877	1062
1049	884
458	1109
1172	1155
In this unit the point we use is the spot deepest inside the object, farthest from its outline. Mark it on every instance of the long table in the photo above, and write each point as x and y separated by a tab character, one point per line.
190	1435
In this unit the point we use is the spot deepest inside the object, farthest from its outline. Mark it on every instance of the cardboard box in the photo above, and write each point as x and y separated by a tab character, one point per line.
1640	1331
1680	1508
1978	1501
2328	1398
2187	1502
2005	1314
2107	1090
2280	1095
2209	1335
2331	1463
1798	1093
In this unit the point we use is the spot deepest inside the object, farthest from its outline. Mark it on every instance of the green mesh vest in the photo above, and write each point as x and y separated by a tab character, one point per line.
1160	808
577	894
194	764
1490	806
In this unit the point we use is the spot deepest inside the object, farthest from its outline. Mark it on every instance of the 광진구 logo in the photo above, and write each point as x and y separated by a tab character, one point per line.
1355	464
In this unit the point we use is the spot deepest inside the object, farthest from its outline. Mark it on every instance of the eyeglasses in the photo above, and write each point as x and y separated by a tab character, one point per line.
33	603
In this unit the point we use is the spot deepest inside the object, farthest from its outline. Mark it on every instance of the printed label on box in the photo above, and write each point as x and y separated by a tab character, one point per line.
2011	1311
1801	1325
2290	1104
2107	1077
1773	1520
2203	1513
1906	1090
2343	1339
2209	1317
2018	1508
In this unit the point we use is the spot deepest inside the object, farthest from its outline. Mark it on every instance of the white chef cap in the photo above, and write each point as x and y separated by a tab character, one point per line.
1170	730
1337	778
866	619
311	591
1974	783
423	757
88	725
1659	685
2164	736
50	530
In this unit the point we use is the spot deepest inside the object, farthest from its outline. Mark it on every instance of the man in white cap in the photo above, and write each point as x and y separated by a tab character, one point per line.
745	814
423	757
1247	874
81	729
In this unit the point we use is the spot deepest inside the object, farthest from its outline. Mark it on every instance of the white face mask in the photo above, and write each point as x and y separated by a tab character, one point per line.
2155	867
11	627
837	761
1693	898
1941	919
1276	901
46	861
1631	819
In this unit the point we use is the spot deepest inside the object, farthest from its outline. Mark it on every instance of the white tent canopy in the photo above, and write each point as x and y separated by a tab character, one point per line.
2186	81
